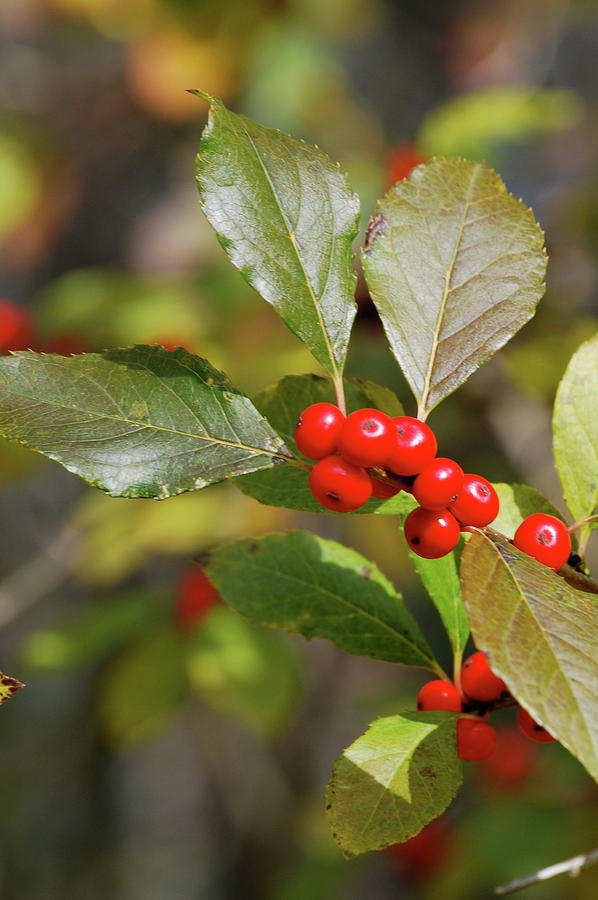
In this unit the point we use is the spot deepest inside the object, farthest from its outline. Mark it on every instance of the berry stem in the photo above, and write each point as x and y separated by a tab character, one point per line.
570	867
339	390
299	464
577	525
457	662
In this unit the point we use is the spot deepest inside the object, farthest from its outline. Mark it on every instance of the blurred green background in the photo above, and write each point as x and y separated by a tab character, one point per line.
147	763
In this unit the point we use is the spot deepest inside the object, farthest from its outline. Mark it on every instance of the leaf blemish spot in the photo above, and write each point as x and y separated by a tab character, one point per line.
376	227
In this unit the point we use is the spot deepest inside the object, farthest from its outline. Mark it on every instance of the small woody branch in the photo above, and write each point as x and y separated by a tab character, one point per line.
571	867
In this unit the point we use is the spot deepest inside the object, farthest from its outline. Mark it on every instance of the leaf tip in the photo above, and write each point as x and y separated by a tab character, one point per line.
203	95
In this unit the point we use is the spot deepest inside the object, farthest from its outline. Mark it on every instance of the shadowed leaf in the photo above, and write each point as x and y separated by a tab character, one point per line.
316	588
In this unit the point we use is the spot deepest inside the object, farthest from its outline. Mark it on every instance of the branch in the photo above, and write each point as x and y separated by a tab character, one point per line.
579	580
571	867
25	586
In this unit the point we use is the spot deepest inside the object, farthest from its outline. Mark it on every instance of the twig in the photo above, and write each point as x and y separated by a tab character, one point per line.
578	580
571	867
25	586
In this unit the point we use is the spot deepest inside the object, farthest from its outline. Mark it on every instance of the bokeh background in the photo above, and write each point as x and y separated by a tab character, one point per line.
149	762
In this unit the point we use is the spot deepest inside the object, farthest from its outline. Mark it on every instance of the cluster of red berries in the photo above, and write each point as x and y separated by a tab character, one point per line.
476	739
345	447
18	332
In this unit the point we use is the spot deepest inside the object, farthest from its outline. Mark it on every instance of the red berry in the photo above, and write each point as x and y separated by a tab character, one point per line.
366	438
338	485
476	740
168	342
514	760
439	694
531	729
317	430
545	538
382	490
15	327
196	595
478	681
477	502
415	446
431	533
65	345
438	484
401	160
423	856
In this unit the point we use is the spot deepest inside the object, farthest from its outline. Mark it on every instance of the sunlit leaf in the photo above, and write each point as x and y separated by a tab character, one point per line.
402	773
140	422
286	217
575	428
455	266
541	636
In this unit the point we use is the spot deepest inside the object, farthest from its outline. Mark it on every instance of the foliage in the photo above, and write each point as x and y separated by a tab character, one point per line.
455	266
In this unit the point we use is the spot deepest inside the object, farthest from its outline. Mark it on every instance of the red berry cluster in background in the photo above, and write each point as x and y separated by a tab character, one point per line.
15	327
346	447
195	597
480	691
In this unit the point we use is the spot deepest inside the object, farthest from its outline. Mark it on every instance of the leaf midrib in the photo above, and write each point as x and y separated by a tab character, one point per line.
312	294
343	600
423	403
151	425
542	631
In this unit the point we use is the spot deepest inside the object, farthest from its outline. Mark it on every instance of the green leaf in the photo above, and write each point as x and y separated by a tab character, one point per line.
286	217
316	588
541	636
517	502
248	672
402	773
575	428
88	637
455	266
142	689
440	578
140	422
8	686
282	404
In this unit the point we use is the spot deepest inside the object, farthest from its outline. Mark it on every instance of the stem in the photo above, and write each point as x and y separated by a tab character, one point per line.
339	390
299	463
578	580
438	670
577	525
571	867
457	660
